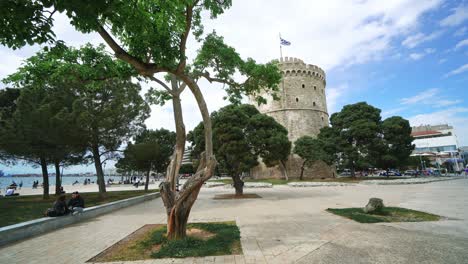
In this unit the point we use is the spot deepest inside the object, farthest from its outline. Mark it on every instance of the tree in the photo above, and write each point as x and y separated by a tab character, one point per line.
152	37
397	141
36	133
186	169
8	97
355	132
358	138
104	103
151	151
242	135
311	150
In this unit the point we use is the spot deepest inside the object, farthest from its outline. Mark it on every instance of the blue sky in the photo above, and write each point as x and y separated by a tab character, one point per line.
406	57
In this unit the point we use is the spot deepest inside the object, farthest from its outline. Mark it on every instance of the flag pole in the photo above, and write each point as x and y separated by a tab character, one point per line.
281	48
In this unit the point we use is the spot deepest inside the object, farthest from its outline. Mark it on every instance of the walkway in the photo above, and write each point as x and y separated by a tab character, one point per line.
287	225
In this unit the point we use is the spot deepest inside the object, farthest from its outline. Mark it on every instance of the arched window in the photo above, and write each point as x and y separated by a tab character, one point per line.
315	88
322	118
314	103
297	99
303	85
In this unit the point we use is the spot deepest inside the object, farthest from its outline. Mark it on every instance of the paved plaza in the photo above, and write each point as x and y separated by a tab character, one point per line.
288	225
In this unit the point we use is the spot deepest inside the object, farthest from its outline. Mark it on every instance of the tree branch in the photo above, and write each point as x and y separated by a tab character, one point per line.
207	76
183	41
143	68
161	83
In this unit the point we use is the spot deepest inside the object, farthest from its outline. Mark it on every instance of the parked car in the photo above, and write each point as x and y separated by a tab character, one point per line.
345	172
411	172
390	173
394	173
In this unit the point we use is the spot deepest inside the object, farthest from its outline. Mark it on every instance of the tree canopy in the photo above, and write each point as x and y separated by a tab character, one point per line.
101	100
150	151
311	150
242	135
359	139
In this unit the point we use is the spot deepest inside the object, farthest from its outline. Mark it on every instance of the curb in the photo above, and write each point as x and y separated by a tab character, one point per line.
16	232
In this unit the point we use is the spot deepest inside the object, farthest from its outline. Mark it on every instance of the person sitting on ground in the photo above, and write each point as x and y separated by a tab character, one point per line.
13	185
59	209
11	192
61	190
76	203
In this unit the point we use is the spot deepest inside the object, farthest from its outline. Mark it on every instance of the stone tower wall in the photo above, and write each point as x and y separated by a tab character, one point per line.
302	110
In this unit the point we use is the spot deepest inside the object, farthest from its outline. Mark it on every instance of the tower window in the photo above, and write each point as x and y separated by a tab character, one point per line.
314	103
315	88
322	118
303	86
297	99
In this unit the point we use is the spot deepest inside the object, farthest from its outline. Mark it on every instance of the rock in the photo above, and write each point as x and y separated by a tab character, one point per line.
374	205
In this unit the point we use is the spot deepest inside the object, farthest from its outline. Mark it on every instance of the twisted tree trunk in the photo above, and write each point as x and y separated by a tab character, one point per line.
238	184
179	203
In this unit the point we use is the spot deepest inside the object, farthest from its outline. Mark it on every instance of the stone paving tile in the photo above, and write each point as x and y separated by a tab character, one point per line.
286	225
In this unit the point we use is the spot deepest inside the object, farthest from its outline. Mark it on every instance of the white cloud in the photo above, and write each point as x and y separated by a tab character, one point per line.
415	40
391	112
358	31
458	70
417	56
430	97
455	116
420	97
459	15
10	62
461	44
429	50
335	95
460	32
445	102
443	60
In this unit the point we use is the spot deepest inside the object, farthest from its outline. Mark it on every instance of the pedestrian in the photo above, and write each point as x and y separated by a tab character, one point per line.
76	203
59	208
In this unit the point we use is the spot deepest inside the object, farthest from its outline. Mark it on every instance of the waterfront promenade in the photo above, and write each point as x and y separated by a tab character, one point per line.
288	225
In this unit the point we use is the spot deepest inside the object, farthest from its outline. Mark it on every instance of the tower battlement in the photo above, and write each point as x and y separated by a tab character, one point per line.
301	109
291	66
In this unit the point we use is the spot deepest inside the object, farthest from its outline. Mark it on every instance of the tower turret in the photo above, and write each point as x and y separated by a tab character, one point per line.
302	110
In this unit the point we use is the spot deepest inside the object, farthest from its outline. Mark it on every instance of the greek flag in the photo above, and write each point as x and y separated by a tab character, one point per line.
284	42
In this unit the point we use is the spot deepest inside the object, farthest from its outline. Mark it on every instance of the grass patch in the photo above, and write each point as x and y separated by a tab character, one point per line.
17	209
387	214
217	239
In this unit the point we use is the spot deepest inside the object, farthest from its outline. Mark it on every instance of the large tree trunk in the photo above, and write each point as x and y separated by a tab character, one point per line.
285	171
238	184
147	180
99	172
58	182
45	179
179	204
353	170
302	170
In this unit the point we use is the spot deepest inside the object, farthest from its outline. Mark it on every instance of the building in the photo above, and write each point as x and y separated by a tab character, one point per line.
439	143
187	157
302	110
